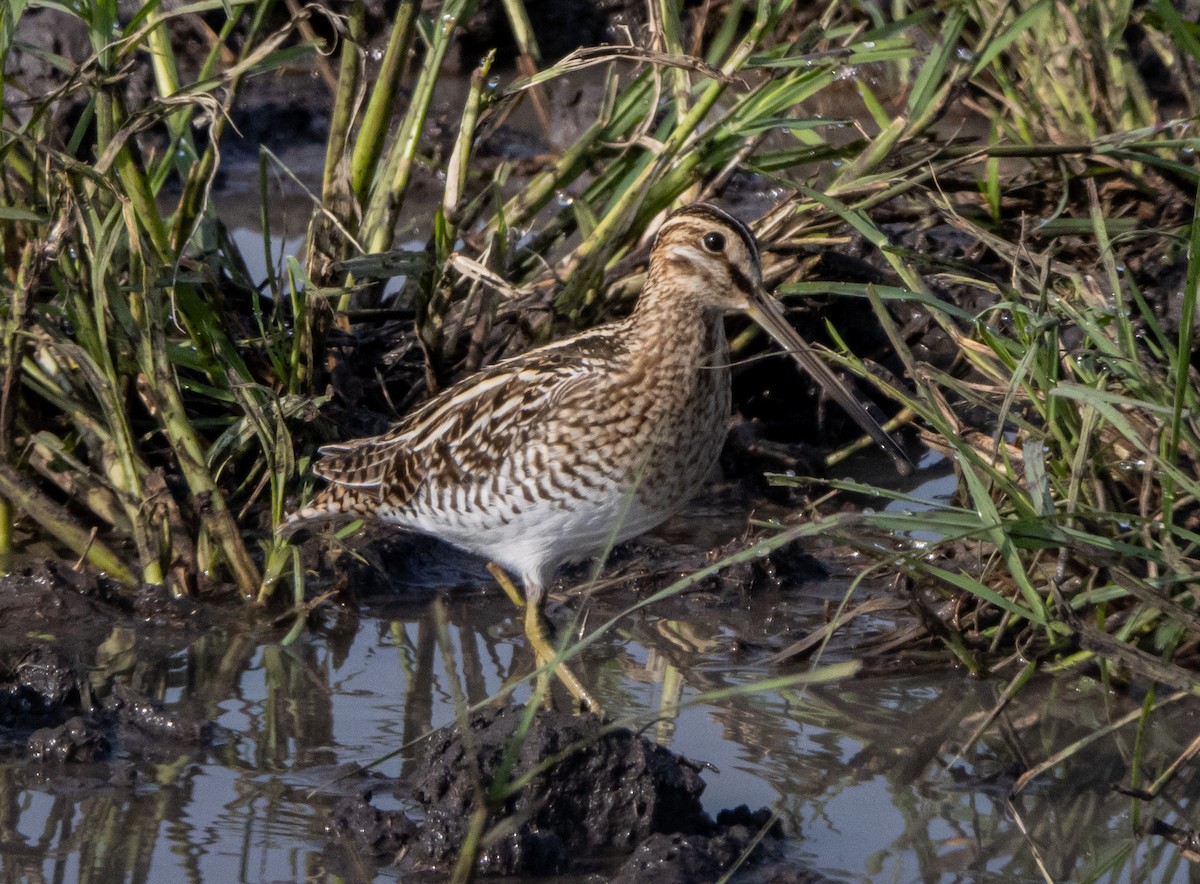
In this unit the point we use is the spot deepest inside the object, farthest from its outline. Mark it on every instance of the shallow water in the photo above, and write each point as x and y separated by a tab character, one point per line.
863	773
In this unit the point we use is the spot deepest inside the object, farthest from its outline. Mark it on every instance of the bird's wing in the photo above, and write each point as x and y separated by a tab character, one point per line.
470	428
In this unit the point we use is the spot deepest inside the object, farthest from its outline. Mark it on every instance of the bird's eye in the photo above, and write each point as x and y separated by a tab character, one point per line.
714	242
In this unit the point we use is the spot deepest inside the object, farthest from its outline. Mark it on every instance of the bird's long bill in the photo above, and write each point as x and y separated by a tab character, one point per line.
765	311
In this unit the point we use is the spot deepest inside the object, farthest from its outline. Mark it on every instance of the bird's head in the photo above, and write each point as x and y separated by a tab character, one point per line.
710	258
709	255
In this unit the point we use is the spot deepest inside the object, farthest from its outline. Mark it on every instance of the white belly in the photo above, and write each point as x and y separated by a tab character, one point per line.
531	540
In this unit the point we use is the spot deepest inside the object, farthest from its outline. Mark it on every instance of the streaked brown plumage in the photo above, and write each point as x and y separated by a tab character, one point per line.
563	450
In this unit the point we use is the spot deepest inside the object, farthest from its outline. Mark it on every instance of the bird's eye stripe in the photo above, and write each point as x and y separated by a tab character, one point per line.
741	280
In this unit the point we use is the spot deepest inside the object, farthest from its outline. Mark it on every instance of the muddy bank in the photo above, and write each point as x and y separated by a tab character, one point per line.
279	110
68	643
599	800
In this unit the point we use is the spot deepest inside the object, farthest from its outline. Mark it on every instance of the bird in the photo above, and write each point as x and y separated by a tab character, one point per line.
560	452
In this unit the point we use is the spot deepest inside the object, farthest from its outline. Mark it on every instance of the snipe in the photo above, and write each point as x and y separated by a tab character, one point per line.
564	450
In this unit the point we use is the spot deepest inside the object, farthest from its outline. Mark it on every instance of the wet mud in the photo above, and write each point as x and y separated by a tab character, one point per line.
64	637
599	799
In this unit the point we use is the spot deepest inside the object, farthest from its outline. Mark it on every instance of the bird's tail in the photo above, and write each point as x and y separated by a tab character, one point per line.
335	503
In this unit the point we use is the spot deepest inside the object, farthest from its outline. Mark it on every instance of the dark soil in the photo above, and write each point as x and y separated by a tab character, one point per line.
279	110
601	798
65	639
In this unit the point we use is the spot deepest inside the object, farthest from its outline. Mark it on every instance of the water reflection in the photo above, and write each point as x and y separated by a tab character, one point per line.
866	774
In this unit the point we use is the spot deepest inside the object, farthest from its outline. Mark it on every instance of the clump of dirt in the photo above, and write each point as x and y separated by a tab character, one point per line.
64	635
40	692
611	795
48	712
76	739
595	793
379	834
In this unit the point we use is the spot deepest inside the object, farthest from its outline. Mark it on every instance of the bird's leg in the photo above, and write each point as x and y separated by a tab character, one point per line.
538	634
506	584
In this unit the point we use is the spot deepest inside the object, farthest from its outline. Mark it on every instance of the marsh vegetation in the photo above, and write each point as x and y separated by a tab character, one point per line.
984	210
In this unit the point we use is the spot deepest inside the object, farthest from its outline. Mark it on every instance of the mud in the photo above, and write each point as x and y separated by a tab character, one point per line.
599	798
279	110
65	638
280	789
49	714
